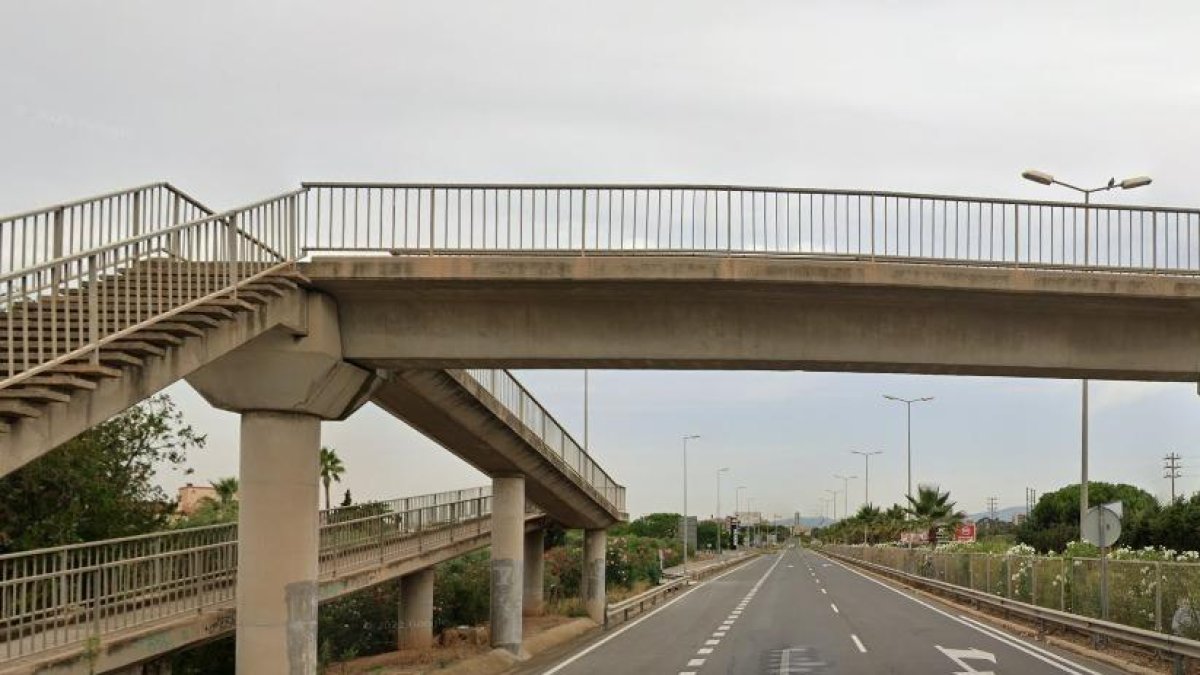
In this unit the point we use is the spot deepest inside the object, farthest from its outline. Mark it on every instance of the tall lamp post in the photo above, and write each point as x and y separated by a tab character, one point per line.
908	404
720	523
866	455
1043	178
845	493
737	511
834	494
687	438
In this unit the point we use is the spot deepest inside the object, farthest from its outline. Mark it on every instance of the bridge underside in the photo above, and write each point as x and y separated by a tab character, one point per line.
761	313
491	439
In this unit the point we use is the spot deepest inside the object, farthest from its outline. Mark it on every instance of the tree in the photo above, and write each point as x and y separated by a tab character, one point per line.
98	485
1054	520
223	509
331	470
932	508
227	489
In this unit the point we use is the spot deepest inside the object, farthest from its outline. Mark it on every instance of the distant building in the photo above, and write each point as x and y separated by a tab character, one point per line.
190	497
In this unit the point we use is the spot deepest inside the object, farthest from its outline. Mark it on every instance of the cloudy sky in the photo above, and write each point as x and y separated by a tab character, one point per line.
234	101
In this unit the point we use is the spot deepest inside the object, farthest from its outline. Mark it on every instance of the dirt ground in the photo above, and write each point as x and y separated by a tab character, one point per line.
461	645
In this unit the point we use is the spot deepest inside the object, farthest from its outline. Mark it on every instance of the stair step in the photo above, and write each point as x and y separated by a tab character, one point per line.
16	409
59	381
231	303
157	337
196	320
108	355
34	394
176	328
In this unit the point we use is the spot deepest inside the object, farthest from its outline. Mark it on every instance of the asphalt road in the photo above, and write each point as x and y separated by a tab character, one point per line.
798	612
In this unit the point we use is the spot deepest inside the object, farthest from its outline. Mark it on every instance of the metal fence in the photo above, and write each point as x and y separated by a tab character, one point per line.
70	594
555	440
1152	595
725	220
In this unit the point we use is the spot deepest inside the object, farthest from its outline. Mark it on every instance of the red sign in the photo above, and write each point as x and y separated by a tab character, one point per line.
964	532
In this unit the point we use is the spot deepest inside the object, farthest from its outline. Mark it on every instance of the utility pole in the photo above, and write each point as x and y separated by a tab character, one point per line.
867	471
1171	470
908	405
1030	501
991	502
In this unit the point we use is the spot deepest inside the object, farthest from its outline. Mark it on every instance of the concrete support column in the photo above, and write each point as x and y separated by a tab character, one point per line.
508	552
595	550
535	559
416	611
283	383
277	543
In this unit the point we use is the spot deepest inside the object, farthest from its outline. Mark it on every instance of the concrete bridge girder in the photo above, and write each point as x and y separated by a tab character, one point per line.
763	313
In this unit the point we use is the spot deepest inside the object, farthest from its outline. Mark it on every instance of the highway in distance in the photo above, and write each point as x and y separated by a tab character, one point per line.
799	612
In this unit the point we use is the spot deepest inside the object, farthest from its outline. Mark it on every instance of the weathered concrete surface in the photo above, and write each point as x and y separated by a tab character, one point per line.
284	387
508	552
762	313
535	566
31	438
415	626
485	435
595	592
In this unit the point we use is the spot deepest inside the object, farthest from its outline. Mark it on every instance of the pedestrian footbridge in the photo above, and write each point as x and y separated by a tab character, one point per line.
108	605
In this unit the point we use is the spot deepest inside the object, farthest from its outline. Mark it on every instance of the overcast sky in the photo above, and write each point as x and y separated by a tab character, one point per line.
234	101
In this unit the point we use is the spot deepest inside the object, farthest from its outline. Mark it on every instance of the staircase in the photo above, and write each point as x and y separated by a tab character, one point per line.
73	319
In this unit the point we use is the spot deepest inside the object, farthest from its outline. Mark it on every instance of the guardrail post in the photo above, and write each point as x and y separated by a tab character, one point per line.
1062	586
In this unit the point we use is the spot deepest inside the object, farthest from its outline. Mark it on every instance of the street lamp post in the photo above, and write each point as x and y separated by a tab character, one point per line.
845	493
720	523
685	505
737	510
1044	178
866	455
834	497
908	404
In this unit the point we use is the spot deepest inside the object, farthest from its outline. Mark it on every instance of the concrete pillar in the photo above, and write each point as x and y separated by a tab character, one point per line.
416	611
277	541
508	552
595	553
535	562
283	383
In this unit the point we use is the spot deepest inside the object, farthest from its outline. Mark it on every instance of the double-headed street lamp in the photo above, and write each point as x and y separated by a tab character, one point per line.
1128	184
866	455
691	437
720	523
845	493
908	404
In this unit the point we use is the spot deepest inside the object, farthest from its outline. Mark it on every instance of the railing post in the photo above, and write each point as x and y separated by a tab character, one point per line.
1158	580
583	224
1016	234
1154	241
1008	576
93	308
136	224
872	228
231	251
173	238
432	199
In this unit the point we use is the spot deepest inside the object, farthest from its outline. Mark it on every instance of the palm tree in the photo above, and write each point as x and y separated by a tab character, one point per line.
331	470
227	489
932	508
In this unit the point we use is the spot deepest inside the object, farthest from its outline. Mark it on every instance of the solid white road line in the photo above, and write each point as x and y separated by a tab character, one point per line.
1016	643
596	645
996	633
858	643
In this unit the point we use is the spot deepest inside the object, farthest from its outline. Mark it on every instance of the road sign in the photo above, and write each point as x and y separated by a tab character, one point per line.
964	532
1102	524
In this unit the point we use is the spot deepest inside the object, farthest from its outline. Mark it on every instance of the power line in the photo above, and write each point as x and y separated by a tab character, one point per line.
991	502
1172	469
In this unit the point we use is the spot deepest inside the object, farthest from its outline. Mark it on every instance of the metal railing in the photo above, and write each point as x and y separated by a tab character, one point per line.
72	306
555	439
735	220
1151	595
67	595
1178	648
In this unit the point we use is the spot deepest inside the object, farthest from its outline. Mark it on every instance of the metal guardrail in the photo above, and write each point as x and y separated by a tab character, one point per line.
516	398
625	610
1178	647
583	219
68	595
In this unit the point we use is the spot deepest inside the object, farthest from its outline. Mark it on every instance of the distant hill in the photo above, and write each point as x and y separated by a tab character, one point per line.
1005	515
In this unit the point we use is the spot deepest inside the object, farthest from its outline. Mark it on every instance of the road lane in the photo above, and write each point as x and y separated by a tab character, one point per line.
798	612
666	640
